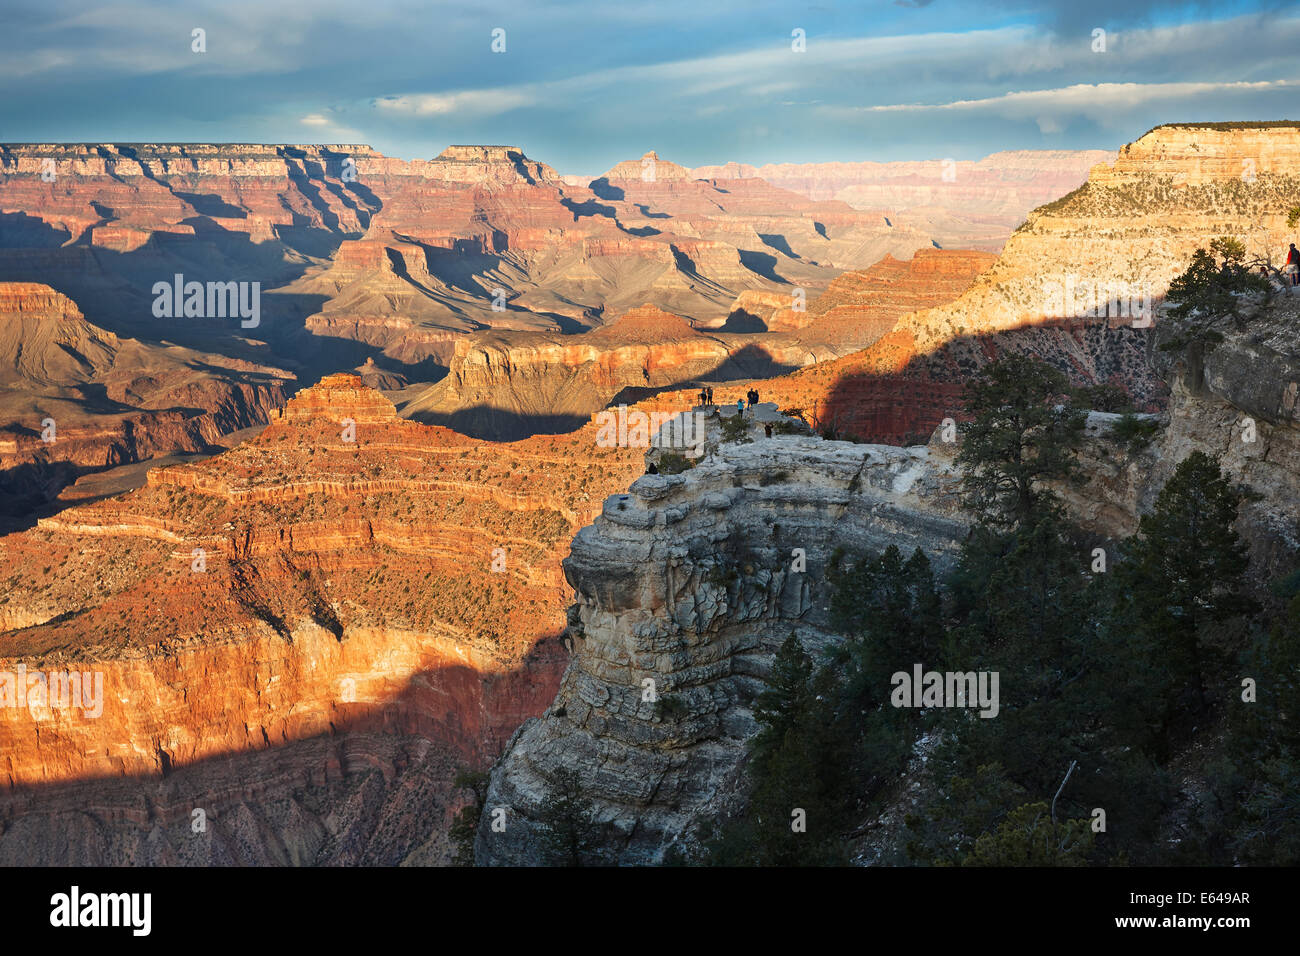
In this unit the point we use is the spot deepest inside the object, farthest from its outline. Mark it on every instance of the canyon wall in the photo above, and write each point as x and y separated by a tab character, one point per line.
972	204
76	398
1079	285
507	385
305	637
689	581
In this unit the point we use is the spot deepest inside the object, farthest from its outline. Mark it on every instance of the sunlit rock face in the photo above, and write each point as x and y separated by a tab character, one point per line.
305	637
1080	285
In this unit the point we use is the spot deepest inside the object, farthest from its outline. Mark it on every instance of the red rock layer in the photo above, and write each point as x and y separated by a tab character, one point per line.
299	587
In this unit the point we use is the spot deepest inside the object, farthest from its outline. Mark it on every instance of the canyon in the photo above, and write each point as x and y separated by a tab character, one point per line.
691	581
307	635
1077	285
75	398
304	637
359	261
686	585
507	385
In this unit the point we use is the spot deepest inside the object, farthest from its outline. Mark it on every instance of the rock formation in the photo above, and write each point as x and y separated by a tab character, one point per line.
691	581
304	636
961	203
75	397
1079	285
508	385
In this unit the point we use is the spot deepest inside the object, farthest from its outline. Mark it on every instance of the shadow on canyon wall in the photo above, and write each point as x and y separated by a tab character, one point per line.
376	789
904	407
490	423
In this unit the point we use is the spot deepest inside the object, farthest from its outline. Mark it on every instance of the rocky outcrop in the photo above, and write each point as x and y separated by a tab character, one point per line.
688	581
685	586
1131	228
1079	285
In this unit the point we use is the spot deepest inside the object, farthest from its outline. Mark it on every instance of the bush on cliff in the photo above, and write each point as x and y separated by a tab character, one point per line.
1210	291
465	825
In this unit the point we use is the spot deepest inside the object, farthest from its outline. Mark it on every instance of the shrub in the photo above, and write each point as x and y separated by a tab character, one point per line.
735	429
671	707
1133	432
671	463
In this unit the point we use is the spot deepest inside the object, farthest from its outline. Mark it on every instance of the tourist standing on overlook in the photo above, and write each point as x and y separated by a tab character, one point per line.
1293	266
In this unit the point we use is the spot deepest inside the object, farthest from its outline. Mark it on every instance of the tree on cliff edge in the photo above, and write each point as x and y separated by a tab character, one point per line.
1022	434
570	834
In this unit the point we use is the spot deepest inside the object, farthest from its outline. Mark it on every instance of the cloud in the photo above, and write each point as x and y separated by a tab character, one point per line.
1090	99
489	102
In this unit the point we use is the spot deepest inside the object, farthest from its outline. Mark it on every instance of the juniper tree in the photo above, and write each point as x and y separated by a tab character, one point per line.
1209	291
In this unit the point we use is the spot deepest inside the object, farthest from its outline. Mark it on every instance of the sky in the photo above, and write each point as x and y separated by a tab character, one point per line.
581	86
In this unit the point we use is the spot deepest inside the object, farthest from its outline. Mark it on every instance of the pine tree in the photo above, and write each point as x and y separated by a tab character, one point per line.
1022	434
570	834
1186	572
785	702
1028	837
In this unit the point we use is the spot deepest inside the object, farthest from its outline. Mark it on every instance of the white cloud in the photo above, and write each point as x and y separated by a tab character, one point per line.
1081	98
488	102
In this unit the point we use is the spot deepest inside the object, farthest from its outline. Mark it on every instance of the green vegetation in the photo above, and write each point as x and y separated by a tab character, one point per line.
736	429
1133	432
1210	291
1022	434
1239	124
570	834
670	707
1120	666
1103	398
465	825
671	463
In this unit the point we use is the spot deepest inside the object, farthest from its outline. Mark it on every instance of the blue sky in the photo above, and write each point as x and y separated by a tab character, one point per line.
583	85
